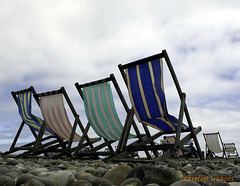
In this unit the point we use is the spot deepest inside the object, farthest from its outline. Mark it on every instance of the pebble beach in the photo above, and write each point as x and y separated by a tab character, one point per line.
68	172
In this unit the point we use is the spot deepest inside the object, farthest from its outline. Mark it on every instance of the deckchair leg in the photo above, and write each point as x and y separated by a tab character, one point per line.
39	137
126	131
183	141
82	140
71	136
17	135
193	133
180	120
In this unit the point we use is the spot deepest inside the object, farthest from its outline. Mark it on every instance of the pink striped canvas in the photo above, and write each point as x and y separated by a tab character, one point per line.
55	116
171	140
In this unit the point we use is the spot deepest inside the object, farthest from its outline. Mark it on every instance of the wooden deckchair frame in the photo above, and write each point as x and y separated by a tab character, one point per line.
225	150
28	148
230	150
183	109
68	150
128	121
171	140
210	153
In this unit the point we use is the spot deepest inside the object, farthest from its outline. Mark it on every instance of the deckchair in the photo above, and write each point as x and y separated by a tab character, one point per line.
171	140
103	117
231	150
214	144
23	98
144	80
56	118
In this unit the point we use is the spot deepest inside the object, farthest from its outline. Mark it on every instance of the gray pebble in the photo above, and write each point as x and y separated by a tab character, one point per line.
6	181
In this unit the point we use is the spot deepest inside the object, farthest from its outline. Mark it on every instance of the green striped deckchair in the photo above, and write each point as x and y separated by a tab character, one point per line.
101	111
102	114
144	80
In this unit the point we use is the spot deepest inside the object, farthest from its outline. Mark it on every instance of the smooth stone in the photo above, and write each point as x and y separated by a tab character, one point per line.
234	184
225	172
38	171
25	177
73	168
132	182
237	161
174	164
82	183
30	165
6	180
90	170
33	182
188	166
12	161
185	183
46	181
13	174
219	183
210	165
96	180
179	174
63	166
100	172
118	174
3	169
106	184
82	175
236	178
200	171
63	178
150	174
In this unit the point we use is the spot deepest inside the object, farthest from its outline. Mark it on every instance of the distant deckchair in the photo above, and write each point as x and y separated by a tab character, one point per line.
171	140
144	80
230	150
56	118
214	144
23	98
102	115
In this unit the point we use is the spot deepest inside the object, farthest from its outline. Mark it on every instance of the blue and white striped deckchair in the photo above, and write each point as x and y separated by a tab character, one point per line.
146	92
144	80
23	98
24	109
102	114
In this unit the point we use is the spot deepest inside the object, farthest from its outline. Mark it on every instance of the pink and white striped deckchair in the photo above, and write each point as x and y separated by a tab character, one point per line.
171	140
56	118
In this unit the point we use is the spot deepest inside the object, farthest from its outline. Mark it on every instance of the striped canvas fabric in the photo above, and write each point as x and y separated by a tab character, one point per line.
55	116
101	111
24	109
146	92
213	142
171	140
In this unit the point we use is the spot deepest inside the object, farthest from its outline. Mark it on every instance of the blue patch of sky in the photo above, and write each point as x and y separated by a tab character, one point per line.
186	49
229	74
235	37
226	102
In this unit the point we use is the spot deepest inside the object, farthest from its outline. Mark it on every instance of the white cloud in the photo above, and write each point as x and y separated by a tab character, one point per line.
53	44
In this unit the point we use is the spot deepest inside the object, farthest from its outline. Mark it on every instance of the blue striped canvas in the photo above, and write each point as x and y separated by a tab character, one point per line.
24	109
101	112
146	91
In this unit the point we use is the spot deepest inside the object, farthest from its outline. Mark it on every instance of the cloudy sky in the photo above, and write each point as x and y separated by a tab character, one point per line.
49	44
